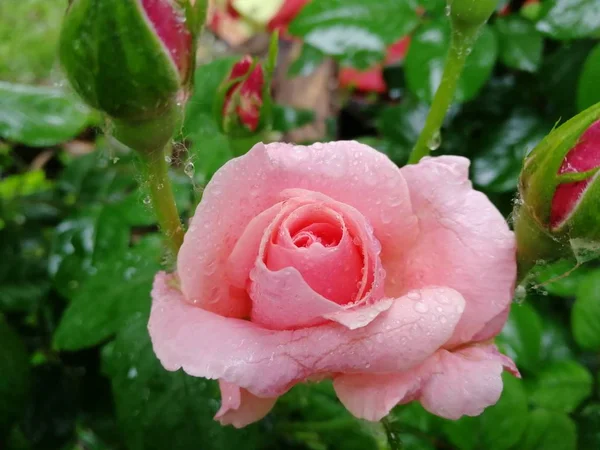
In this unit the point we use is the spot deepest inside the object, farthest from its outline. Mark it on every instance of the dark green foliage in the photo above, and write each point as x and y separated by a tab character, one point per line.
79	245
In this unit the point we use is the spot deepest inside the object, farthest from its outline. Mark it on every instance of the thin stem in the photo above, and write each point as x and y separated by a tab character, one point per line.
460	47
163	200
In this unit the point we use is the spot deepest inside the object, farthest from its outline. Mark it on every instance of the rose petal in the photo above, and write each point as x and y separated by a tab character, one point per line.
333	271
283	299
239	407
464	383
464	243
372	396
448	384
268	362
243	188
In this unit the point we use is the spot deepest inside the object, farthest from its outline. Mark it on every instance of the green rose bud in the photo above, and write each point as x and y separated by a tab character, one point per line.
558	215
131	59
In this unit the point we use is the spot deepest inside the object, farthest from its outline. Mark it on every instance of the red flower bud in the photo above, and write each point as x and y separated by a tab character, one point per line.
558	214
583	157
371	80
172	31
244	97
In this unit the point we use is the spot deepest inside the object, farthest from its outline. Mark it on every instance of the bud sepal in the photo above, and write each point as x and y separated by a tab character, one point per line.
558	214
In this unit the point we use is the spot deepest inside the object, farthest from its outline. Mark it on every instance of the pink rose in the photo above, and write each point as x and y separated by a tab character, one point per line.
327	261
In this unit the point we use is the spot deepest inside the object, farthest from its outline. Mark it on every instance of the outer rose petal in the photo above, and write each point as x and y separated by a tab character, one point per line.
448	384
348	172
464	243
464	382
239	407
268	362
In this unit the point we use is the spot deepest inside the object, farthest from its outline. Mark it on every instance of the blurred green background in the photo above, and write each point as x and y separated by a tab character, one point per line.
79	244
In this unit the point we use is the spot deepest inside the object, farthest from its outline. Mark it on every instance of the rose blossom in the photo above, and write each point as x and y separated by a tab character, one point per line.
327	261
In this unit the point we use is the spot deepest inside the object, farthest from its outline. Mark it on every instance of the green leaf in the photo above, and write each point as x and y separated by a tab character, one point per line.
118	289
562	386
401	125
570	19
355	32
588	90
28	53
561	278
24	184
549	430
208	79
40	116
503	424
585	315
81	242
286	118
521	338
307	61
157	409
589	427
15	379
463	433
562	69
497	165
521	45
427	53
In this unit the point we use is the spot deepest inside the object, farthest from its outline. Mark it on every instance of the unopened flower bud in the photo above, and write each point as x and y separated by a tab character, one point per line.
242	98
558	215
128	58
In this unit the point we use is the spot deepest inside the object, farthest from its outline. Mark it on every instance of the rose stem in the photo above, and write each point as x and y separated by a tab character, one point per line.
156	172
462	42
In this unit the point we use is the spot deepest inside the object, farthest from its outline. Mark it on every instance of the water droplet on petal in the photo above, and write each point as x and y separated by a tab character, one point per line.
421	307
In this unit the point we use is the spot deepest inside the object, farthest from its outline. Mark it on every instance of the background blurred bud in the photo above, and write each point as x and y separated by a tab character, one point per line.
128	58
559	210
243	97
371	80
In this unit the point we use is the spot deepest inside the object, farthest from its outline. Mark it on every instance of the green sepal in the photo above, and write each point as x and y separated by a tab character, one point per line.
578	238
148	135
115	61
539	178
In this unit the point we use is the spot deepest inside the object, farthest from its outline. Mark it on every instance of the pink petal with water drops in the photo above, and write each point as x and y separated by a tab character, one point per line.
448	384
463	243
268	362
348	172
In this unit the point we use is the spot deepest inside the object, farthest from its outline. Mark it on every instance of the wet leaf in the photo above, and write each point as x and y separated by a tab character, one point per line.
40	116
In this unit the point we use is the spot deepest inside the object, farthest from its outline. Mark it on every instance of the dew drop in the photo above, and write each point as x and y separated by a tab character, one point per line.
421	307
435	141
189	169
147	200
520	294
168	159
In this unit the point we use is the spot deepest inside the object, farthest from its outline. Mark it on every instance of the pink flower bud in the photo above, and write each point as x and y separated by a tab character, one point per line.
244	98
169	24
583	157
